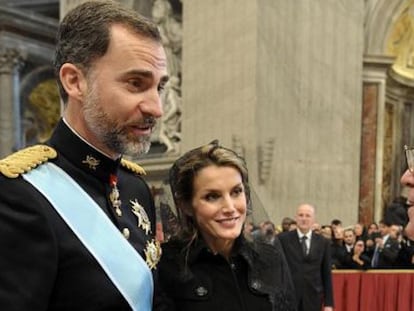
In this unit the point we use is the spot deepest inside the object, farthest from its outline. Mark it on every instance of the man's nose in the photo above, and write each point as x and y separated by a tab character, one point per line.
407	179
152	105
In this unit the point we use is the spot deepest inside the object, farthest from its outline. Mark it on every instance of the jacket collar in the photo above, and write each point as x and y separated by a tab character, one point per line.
81	154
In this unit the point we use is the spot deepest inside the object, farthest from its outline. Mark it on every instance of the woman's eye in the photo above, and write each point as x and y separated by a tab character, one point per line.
238	190
211	197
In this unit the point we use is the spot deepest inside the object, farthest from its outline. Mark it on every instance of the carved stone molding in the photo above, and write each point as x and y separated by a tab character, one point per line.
265	154
237	145
168	132
10	59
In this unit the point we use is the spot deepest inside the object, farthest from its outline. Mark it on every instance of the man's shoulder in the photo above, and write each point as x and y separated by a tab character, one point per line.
286	238
132	167
25	160
287	235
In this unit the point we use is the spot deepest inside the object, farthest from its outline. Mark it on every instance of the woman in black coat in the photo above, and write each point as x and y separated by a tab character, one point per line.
209	265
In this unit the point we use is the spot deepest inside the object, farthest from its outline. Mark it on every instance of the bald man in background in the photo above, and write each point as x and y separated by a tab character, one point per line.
309	259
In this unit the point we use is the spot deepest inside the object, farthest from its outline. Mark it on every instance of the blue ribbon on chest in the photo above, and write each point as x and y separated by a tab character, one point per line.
120	261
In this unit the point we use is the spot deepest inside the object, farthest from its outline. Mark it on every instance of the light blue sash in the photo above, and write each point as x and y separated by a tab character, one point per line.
121	262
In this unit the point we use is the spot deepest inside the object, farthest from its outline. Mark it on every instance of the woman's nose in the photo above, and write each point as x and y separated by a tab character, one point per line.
228	204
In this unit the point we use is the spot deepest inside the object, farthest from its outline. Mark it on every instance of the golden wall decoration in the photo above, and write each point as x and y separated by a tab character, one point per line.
44	108
400	44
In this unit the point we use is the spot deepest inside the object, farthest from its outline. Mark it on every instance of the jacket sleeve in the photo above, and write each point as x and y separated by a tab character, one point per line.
327	274
286	280
28	256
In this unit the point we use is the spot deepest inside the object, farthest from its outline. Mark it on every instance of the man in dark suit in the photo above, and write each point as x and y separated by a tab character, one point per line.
76	218
309	259
387	248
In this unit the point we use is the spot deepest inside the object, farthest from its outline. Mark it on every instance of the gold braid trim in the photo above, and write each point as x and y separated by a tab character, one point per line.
133	167
25	160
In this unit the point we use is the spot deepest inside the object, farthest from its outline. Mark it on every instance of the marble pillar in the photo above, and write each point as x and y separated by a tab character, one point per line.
283	79
10	62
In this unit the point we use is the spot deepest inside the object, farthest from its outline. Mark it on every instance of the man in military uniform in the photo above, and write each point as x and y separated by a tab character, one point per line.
77	221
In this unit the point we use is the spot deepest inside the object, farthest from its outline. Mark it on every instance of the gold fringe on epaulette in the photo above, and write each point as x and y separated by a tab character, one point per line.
133	167
25	160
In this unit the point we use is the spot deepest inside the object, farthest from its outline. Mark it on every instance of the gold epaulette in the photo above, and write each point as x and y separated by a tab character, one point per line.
133	167
25	160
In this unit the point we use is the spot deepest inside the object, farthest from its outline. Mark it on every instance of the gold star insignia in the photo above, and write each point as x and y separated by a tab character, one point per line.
143	220
153	253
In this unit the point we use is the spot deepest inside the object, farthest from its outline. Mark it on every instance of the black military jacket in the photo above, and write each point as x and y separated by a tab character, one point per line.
255	278
43	265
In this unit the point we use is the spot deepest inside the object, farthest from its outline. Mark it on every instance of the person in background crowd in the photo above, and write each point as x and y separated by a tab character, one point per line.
77	221
396	211
406	255
337	245
326	232
372	228
386	248
316	228
396	232
336	223
349	239
267	232
407	180
293	226
309	259
248	230
357	259
360	232
286	222
352	256
209	265
372	234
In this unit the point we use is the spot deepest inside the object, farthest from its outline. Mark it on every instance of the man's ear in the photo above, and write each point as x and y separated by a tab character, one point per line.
73	81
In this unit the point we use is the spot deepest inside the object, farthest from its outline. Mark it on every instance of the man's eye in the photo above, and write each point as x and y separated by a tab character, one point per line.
135	83
161	88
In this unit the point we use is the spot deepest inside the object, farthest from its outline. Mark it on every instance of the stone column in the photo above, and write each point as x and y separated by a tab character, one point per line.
374	113
281	81
10	61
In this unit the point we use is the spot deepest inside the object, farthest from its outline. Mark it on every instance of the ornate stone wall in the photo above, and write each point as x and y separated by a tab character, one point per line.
11	61
26	43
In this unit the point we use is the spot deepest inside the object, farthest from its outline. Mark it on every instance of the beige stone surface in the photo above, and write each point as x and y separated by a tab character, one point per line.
287	72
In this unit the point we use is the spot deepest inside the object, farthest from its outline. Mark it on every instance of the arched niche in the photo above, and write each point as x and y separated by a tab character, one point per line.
388	102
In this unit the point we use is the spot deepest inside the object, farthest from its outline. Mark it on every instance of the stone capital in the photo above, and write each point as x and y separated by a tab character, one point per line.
10	58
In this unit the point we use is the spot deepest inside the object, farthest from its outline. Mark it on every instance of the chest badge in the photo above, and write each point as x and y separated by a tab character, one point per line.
152	254
143	220
91	162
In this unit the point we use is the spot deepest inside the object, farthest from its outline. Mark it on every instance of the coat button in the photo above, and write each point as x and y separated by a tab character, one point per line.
126	233
256	285
201	291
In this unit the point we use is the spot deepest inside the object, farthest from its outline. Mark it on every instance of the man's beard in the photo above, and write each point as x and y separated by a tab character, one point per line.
112	133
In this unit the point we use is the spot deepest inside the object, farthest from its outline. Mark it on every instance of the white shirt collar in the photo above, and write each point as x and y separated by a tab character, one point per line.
308	235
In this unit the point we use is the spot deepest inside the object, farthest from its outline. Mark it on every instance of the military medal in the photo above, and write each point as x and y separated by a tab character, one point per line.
143	220
114	195
153	254
91	162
